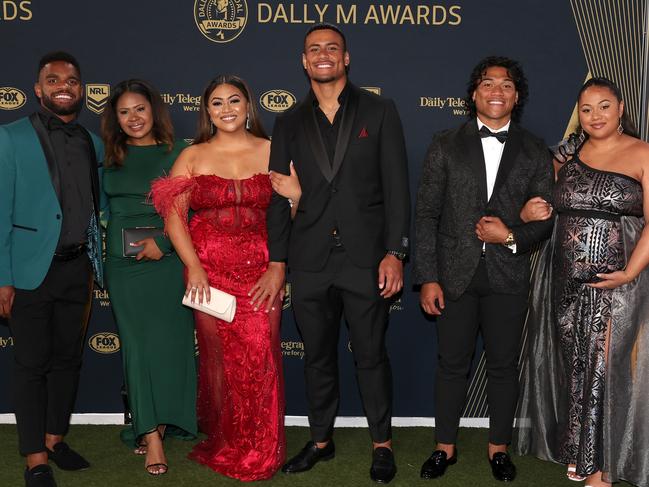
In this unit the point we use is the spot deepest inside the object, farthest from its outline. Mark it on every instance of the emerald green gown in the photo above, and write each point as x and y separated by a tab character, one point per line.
156	331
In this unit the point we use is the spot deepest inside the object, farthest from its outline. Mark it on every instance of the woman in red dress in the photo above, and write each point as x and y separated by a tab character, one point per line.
223	177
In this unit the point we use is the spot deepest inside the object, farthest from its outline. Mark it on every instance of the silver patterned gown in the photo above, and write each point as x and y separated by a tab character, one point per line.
588	241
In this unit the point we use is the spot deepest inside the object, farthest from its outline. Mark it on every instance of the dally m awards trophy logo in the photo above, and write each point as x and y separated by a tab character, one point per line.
221	20
97	97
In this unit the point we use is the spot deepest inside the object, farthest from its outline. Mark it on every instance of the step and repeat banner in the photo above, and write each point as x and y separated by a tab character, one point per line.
419	53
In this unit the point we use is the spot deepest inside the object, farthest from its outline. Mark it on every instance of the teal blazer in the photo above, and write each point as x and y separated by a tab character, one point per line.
30	213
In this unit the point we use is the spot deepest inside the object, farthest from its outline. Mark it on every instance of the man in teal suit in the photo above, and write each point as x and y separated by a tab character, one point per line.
49	250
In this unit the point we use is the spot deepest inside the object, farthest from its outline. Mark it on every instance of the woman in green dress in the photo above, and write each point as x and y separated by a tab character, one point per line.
156	331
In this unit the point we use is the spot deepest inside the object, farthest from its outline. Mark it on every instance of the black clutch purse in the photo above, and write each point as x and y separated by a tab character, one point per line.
132	235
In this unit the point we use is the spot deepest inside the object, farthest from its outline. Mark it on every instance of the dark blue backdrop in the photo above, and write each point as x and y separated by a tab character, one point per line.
423	67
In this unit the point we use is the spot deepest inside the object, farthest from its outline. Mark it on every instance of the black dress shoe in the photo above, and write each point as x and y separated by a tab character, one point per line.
66	458
502	467
39	476
309	456
436	464
383	468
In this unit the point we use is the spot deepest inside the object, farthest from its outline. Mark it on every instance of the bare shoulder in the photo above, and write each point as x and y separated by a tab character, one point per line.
185	161
261	147
639	150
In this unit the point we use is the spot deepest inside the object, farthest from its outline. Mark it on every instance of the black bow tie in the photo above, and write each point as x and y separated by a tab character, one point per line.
71	129
500	136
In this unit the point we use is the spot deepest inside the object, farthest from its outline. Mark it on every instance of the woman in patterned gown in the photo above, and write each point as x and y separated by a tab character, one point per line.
585	379
223	177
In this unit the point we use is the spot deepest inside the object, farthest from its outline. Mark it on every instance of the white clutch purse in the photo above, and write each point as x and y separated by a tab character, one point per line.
222	305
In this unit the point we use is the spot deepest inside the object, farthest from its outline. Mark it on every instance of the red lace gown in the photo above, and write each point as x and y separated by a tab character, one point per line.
240	390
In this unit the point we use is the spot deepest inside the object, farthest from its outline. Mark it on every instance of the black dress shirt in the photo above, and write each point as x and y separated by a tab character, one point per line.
73	161
328	130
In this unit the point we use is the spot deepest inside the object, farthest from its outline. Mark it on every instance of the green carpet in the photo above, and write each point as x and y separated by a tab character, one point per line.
114	465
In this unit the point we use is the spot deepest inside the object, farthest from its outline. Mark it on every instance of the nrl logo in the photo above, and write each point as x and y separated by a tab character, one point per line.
97	97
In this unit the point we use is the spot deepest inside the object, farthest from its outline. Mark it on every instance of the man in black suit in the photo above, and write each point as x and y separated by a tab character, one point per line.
347	241
472	252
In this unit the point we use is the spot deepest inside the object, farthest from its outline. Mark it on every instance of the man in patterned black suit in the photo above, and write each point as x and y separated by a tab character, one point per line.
472	252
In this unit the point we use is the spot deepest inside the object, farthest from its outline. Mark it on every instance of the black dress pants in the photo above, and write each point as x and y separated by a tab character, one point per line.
48	325
500	318
319	300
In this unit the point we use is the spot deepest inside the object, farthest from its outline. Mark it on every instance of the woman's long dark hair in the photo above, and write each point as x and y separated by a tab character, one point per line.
112	134
205	126
602	82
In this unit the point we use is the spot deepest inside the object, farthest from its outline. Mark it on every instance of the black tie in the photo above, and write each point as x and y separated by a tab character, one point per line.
500	136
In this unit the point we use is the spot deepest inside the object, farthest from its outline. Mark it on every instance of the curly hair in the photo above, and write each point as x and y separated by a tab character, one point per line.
515	72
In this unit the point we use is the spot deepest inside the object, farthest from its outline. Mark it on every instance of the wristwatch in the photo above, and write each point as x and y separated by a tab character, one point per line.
397	254
510	240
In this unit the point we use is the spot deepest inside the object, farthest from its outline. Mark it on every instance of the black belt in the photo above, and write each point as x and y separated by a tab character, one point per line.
69	253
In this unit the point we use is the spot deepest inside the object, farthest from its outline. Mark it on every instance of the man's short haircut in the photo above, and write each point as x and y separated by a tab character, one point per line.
326	26
55	56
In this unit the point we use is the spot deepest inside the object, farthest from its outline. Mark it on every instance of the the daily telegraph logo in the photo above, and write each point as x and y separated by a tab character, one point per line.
292	349
105	342
456	104
11	98
277	100
221	20
97	97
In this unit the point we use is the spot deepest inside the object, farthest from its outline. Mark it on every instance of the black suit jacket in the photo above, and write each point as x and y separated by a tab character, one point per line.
452	198
364	193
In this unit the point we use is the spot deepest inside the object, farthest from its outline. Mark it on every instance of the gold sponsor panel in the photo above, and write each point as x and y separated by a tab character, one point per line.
221	20
11	98
97	95
277	100
104	342
294	349
455	104
351	13
16	10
